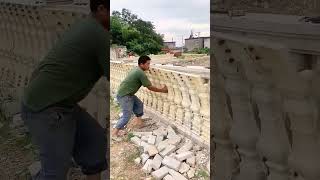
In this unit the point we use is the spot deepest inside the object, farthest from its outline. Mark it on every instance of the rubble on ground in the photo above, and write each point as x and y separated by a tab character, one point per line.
168	155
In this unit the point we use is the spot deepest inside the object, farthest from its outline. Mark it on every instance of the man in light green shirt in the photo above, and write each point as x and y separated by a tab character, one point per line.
128	101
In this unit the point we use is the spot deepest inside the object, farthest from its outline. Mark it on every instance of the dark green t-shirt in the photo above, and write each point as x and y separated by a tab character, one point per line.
134	80
71	68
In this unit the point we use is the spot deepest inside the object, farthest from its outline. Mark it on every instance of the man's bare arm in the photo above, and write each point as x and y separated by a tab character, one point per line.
155	89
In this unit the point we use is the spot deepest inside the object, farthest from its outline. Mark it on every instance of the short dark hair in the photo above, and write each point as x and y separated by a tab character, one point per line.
94	4
143	59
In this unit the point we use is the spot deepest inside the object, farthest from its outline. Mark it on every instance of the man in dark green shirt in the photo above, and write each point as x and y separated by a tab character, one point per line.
128	101
59	127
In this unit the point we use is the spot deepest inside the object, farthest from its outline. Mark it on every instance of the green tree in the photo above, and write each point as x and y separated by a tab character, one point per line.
137	35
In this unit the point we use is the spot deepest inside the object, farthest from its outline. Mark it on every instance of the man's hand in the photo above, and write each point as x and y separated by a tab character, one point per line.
164	89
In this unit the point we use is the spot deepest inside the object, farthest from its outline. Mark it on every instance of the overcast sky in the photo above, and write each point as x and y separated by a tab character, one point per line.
173	18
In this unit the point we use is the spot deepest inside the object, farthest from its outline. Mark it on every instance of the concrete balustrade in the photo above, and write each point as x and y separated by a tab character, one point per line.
28	29
266	100
186	105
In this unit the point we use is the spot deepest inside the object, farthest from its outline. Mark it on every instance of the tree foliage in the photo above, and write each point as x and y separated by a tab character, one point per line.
137	35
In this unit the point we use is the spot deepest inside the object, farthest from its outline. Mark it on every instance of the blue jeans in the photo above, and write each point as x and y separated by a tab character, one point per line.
62	133
128	105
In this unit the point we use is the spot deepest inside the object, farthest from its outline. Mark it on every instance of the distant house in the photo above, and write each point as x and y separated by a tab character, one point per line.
197	43
170	45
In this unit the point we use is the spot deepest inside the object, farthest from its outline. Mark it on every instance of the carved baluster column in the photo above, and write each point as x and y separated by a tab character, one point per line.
161	96
244	132
155	82
186	101
273	143
168	97
204	93
178	99
303	113
224	164
195	106
171	97
150	93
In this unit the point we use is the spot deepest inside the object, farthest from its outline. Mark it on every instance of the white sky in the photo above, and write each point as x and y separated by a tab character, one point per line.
173	18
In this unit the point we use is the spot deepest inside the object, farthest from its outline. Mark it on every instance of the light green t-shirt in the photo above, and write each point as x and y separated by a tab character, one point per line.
134	80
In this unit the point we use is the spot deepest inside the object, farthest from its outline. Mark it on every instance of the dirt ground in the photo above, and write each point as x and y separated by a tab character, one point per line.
122	155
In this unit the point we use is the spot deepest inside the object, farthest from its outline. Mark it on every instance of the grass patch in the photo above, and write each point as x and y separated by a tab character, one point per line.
129	136
201	174
133	155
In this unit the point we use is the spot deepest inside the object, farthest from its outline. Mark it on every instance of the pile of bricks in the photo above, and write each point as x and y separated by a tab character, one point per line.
166	155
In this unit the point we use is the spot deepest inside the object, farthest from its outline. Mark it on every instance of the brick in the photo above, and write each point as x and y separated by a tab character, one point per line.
147	166
159	139
184	155
145	138
171	163
186	147
168	177
152	139
144	158
160	173
137	160
184	168
174	140
168	150
162	145
160	132
156	162
170	130
152	150
176	175
136	140
139	134
191	173
145	146
191	161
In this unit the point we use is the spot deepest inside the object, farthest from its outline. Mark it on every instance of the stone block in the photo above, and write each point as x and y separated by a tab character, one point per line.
159	139
191	173
170	130
144	158
176	175
147	166
184	155
162	145
186	147
184	168
160	132
139	134
152	139
136	140
191	161
171	163
168	150
156	162
174	140
168	177
160	173
152	150
145	138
